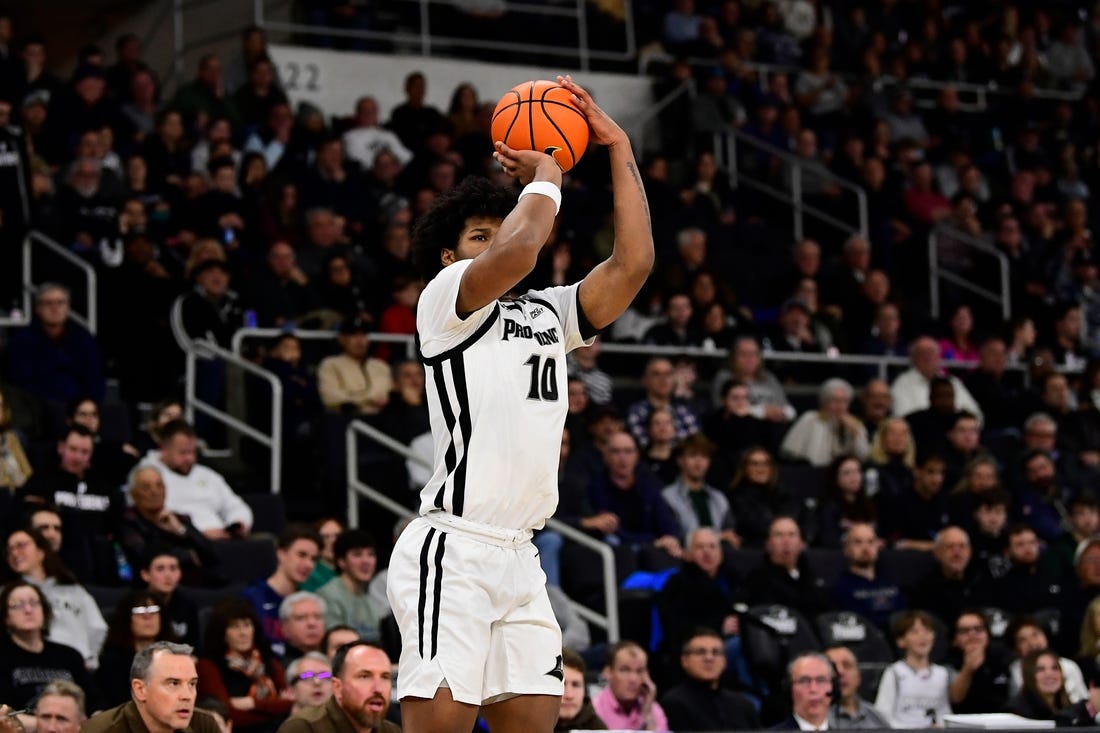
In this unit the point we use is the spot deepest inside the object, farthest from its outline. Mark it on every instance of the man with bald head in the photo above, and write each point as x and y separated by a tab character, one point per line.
147	524
954	583
910	391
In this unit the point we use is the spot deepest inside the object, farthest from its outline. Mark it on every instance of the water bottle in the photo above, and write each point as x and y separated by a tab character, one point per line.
125	572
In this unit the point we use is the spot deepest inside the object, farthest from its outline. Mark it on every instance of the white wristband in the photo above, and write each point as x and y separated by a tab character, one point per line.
544	188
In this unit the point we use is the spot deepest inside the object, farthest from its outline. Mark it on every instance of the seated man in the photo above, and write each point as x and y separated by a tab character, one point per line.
954	584
860	589
352	380
196	490
90	508
784	575
309	678
347	600
148	523
1027	586
302	615
849	710
55	358
296	553
811	678
699	703
629	702
659	392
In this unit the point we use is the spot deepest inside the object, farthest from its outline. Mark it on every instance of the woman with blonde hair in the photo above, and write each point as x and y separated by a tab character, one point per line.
15	469
892	457
1088	654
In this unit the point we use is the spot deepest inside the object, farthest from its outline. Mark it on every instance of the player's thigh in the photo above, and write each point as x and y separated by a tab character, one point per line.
522	714
440	714
525	651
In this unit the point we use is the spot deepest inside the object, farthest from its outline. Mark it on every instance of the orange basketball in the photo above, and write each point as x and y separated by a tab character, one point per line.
540	115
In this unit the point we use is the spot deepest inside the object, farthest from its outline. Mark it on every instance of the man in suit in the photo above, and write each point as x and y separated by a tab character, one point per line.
362	681
811	678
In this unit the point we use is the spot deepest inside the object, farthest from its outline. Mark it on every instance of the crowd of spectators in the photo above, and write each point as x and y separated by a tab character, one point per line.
728	485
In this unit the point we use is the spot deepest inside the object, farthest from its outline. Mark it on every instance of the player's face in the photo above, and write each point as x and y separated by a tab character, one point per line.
475	238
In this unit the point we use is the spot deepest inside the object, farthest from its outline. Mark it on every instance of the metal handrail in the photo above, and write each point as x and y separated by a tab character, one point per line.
90	318
274	442
981	92
24	316
357	487
937	273
636	127
425	39
237	342
726	145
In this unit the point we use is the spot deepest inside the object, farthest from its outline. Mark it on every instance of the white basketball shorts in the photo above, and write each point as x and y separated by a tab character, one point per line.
471	604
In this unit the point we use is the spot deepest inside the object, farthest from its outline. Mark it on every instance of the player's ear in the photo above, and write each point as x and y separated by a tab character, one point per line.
447	256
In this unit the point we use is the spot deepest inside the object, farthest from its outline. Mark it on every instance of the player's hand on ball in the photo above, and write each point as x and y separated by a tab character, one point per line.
524	165
604	129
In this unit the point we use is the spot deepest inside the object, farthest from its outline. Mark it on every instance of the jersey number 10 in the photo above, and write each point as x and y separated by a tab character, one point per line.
544	380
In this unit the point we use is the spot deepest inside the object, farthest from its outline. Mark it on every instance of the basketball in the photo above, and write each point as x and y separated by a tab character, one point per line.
540	115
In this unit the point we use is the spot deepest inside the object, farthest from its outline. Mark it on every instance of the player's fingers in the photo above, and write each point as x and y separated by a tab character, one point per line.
578	91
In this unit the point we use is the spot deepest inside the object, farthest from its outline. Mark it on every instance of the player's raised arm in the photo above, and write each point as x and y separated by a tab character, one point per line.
607	291
512	249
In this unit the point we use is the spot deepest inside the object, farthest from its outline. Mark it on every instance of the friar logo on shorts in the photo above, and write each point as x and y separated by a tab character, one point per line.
558	670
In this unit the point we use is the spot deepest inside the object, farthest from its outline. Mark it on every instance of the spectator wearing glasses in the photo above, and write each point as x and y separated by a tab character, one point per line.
699	703
135	624
811	678
310	681
27	658
980	683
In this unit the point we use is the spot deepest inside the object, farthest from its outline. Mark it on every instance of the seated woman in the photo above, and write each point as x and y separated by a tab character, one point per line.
756	496
27	660
820	436
135	624
77	621
1044	696
239	669
844	503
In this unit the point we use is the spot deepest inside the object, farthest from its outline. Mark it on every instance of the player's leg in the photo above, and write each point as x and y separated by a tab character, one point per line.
520	714
441	714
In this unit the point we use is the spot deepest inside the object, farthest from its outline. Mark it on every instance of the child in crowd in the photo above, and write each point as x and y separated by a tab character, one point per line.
913	690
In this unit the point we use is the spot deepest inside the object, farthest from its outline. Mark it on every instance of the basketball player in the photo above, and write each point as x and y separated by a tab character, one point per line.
465	584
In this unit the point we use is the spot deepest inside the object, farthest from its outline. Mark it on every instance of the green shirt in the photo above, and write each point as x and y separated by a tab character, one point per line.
322	573
352	609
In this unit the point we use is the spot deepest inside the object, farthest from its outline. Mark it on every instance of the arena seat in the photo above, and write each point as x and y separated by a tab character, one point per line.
827	563
246	560
774	635
268	512
867	642
107	596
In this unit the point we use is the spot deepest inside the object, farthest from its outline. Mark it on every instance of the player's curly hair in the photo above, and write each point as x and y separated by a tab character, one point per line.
440	228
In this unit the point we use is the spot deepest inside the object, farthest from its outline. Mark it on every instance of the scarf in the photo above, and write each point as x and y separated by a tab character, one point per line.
253	668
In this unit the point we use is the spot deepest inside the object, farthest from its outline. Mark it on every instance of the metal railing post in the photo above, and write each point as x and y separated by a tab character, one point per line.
425	29
90	319
933	275
796	196
177	39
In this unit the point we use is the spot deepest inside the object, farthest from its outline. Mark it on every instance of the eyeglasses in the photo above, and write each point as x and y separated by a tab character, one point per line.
28	603
317	676
706	652
807	681
17	546
143	610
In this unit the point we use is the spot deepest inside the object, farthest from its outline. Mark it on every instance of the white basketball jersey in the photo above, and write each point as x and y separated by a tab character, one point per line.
497	397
